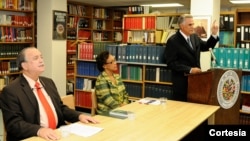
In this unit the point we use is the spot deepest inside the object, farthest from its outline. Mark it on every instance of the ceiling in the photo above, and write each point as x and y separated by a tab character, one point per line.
225	4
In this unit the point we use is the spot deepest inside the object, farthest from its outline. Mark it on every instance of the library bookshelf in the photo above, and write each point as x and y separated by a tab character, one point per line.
90	24
17	31
149	28
243	41
227	29
141	80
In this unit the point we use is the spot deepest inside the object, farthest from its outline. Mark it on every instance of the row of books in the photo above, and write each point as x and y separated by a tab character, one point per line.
151	22
245	83
163	36
84	84
133	89
101	36
99	24
83	99
101	13
242	33
166	22
84	34
159	36
79	10
130	72
11	34
72	21
155	90
134	23
87	68
232	57
17	4
227	22
240	44
158	74
9	66
98	47
244	119
136	10
139	36
85	51
10	50
15	20
88	51
138	53
226	38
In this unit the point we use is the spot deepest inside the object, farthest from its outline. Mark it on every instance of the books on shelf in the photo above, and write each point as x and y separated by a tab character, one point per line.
167	34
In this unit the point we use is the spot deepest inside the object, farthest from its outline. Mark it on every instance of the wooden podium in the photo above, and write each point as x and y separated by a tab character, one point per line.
220	87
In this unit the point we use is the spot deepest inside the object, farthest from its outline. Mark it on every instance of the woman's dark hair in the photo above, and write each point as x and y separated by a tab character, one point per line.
101	60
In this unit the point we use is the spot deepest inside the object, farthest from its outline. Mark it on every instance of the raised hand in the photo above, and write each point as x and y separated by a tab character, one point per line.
214	28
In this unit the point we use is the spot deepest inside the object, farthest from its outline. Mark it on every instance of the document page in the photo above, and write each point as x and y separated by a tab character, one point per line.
83	130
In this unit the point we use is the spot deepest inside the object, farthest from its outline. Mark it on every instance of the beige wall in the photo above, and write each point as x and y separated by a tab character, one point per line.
54	51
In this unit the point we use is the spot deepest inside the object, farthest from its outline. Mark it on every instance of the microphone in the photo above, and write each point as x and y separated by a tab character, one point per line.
214	62
212	53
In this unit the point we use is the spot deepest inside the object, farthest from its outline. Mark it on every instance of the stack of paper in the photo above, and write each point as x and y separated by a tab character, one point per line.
82	129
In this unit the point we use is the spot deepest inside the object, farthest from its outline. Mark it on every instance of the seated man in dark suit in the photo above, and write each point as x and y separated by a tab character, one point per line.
24	113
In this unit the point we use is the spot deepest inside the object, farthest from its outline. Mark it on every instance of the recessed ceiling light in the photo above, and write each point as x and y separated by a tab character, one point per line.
240	1
164	5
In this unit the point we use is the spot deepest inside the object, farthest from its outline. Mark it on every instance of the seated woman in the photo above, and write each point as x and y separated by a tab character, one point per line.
109	88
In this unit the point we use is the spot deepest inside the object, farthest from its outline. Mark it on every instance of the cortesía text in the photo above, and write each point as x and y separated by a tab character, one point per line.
226	132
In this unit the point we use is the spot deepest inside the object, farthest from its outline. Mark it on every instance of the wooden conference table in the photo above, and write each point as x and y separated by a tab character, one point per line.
152	123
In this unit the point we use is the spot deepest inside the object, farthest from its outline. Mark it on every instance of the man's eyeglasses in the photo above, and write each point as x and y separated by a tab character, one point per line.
112	62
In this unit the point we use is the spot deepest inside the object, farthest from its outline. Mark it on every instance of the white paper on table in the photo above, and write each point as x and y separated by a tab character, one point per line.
83	130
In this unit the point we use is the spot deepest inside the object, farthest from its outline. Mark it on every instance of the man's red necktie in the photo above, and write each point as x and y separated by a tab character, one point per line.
47	107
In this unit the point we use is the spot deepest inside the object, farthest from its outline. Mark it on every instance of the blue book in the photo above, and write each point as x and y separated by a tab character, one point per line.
145	54
235	57
246	59
229	57
241	58
149	55
128	58
119	53
221	57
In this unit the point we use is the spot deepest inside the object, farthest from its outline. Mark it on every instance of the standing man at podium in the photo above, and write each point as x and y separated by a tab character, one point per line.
182	54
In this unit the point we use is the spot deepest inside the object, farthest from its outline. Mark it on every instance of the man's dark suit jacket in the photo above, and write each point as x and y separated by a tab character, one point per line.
21	112
180	58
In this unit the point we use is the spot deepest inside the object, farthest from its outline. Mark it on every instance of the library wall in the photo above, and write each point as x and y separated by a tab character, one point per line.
53	50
